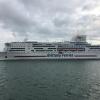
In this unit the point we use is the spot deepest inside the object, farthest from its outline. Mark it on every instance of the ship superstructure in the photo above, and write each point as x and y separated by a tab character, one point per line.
78	48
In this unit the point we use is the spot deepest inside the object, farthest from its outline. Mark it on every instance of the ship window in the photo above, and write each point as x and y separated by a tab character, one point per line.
32	50
7	44
17	48
43	50
38	48
43	46
51	48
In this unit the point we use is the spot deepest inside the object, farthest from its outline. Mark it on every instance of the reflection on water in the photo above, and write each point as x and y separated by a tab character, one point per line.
50	80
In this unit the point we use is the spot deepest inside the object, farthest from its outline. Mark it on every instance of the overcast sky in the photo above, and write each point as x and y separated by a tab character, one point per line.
49	20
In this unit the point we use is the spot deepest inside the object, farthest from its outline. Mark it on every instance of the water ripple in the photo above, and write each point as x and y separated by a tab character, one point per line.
49	80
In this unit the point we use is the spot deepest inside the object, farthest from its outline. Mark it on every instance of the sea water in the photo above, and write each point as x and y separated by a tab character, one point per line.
50	80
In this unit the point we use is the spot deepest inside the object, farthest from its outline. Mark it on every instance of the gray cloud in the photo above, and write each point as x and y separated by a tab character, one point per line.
49	19
14	18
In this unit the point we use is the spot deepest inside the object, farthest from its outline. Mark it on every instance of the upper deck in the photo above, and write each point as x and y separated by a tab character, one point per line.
78	44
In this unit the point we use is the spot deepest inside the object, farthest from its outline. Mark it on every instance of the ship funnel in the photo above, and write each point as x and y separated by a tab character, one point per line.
25	39
80	38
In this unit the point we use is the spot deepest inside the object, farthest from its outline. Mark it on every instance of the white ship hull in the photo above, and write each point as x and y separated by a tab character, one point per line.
52	58
49	56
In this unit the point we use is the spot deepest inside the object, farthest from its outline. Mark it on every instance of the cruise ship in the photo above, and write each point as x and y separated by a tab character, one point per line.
77	48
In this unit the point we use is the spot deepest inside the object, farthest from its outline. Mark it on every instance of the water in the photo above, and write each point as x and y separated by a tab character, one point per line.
50	80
